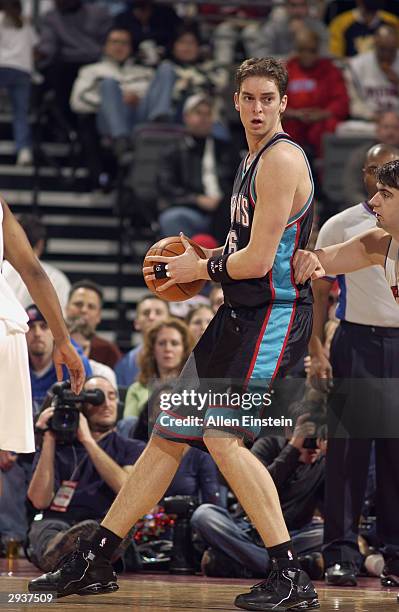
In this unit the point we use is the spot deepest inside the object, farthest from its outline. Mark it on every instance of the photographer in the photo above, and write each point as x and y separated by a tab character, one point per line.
298	474
75	484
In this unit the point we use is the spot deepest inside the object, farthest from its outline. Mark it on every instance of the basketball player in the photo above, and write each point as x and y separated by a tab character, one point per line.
378	246
16	425
256	335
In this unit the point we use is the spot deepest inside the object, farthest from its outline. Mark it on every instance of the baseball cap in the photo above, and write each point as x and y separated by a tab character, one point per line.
194	101
34	314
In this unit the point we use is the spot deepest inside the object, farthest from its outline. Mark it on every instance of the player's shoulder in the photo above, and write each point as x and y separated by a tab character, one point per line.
284	151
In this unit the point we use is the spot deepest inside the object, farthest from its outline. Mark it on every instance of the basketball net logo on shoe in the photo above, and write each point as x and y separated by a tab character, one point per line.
102	543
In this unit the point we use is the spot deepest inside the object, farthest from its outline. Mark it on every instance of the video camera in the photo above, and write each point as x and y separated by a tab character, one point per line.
65	420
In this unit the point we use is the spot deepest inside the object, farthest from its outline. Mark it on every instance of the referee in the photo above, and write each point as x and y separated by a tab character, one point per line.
364	347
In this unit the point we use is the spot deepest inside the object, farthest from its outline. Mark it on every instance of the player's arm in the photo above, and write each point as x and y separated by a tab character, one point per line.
367	249
272	211
18	252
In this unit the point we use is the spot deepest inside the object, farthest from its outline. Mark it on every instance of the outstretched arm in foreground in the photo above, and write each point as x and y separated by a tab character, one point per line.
18	252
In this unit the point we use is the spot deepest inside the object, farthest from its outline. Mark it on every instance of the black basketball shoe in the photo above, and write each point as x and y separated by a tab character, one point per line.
287	588
83	572
390	573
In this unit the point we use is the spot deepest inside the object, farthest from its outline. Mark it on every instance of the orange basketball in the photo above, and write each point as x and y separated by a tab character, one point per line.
170	247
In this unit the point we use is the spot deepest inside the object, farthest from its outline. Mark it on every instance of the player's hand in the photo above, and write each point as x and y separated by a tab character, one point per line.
65	353
307	265
320	372
83	434
180	269
7	460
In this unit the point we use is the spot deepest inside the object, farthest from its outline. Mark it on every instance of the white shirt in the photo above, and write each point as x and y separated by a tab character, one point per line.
392	268
11	311
16	45
58	279
372	85
365	297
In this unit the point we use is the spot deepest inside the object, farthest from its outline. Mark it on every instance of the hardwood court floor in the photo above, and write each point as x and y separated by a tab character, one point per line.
163	593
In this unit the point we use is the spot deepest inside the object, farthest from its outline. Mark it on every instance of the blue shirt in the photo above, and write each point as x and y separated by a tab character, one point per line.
41	384
92	497
127	368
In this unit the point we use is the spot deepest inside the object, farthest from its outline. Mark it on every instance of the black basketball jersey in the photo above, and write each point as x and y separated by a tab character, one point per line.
278	284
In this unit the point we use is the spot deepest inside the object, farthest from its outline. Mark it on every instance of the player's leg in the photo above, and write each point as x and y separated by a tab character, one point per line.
89	569
251	483
148	480
287	586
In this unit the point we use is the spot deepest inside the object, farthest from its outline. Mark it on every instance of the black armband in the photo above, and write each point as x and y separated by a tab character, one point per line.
217	269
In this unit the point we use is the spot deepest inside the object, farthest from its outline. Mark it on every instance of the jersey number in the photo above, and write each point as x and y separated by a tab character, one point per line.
233	241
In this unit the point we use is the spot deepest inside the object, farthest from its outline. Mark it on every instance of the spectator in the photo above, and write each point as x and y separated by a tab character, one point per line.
35	231
386	133
276	36
373	77
85	300
216	297
71	35
167	345
181	76
298	474
112	89
153	27
352	31
359	351
149	310
238	24
40	349
195	176
317	97
17	41
98	463
82	333
198	320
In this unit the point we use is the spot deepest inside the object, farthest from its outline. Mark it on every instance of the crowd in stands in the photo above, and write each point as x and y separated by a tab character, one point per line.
111	68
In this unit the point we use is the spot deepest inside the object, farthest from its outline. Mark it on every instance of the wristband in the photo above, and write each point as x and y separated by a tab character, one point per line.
217	269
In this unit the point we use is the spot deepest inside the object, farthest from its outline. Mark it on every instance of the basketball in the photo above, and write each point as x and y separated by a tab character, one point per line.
170	247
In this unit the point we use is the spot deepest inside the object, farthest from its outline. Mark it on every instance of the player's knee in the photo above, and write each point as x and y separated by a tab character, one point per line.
175	449
220	445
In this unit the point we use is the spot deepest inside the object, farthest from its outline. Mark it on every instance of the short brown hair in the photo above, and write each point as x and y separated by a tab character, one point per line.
388	174
267	67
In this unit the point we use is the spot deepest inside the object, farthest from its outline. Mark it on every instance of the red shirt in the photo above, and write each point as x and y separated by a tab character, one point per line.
321	86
